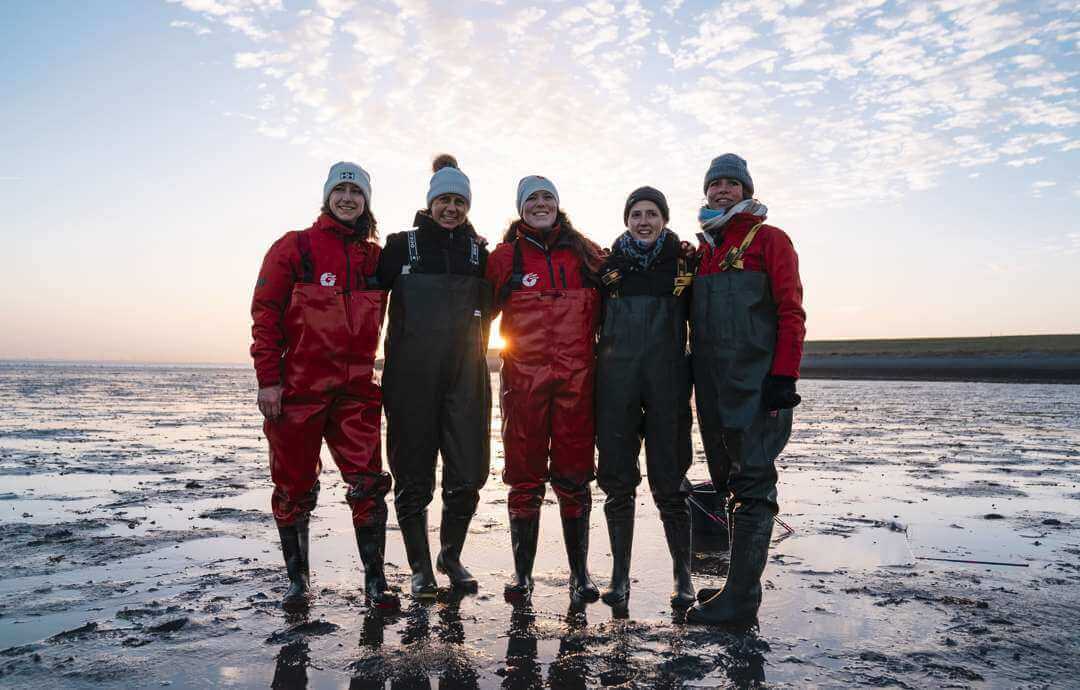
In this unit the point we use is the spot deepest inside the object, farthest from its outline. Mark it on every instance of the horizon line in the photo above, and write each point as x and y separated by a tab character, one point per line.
143	362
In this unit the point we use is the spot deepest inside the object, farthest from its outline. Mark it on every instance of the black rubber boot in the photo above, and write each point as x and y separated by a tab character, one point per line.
738	601
415	535
294	547
371	541
576	536
524	533
677	532
621	533
452	532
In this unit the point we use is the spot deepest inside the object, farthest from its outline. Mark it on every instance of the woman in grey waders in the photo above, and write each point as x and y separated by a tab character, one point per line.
436	389
747	329
643	388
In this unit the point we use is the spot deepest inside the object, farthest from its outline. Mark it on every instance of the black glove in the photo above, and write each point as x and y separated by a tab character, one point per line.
779	393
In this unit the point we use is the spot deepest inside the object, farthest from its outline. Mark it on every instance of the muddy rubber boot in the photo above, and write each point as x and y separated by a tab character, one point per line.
576	536
294	547
738	601
414	533
524	533
621	533
452	532
678	541
371	541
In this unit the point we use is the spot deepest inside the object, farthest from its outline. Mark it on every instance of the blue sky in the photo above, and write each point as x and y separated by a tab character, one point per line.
922	155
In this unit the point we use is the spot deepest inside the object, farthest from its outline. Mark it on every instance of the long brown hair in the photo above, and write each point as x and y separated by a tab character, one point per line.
588	251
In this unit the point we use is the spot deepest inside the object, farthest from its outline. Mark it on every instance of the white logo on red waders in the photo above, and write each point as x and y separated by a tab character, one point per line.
530	279
327	279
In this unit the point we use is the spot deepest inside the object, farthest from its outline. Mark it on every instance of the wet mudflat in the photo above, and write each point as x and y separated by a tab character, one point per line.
138	552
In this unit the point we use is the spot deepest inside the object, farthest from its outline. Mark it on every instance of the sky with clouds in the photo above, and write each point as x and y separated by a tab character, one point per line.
923	156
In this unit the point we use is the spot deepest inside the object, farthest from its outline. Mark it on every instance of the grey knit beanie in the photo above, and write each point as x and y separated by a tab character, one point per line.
448	179
532	184
731	166
347	172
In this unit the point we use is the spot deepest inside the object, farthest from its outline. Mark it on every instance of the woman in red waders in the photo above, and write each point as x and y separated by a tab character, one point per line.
316	327
544	278
747	329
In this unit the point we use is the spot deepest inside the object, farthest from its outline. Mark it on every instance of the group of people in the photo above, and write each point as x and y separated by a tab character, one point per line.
596	361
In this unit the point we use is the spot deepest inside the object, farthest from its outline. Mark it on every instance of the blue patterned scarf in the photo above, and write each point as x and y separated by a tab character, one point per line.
640	256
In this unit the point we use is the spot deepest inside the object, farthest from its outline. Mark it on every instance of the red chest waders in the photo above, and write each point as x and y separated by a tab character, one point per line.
437	390
331	336
547	393
733	339
548	372
643	392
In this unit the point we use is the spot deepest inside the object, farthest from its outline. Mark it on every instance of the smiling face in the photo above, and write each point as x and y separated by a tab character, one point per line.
645	222
723	193
449	210
346	202
539	210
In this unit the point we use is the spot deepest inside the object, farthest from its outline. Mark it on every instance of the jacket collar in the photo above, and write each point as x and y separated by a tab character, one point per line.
329	223
549	241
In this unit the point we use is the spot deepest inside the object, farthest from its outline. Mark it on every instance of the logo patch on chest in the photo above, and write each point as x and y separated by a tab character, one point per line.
327	279
530	279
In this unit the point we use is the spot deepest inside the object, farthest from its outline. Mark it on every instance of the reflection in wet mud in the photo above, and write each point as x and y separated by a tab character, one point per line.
133	514
290	671
521	669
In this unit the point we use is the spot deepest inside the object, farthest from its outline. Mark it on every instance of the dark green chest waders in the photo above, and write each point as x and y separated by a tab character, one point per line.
643	392
733	324
437	396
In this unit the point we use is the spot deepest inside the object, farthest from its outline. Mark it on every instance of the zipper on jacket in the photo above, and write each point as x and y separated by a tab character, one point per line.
562	274
547	255
446	249
348	279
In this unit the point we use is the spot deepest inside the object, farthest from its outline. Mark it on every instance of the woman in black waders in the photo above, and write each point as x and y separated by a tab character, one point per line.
747	331
643	388
436	389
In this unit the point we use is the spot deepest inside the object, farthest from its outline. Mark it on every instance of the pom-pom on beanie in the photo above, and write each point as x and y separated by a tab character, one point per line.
448	179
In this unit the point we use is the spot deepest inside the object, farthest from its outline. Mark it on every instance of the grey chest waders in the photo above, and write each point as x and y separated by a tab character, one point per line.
733	338
437	396
643	392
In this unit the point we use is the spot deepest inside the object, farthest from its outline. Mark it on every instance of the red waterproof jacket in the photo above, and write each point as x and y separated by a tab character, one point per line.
771	253
559	268
337	260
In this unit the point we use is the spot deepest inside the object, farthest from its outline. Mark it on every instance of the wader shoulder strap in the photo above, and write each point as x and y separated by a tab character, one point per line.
517	274
414	250
684	277
307	266
474	252
735	254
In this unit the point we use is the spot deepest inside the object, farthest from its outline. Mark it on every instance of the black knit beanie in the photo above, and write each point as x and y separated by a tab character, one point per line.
646	194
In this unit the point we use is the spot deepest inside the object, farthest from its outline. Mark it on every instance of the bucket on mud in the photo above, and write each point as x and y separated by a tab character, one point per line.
708	518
